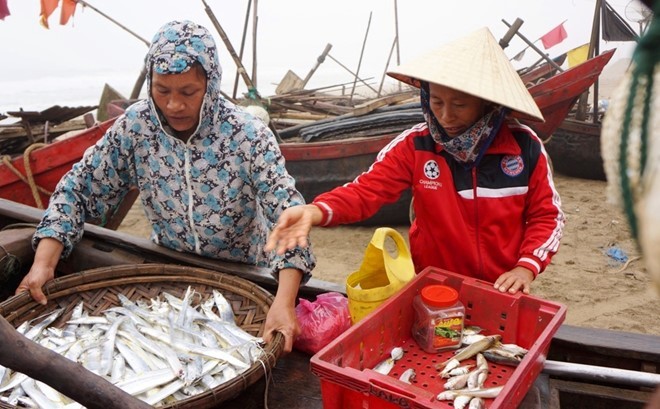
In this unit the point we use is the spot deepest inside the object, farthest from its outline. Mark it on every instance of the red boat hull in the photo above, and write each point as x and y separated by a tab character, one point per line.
47	164
557	95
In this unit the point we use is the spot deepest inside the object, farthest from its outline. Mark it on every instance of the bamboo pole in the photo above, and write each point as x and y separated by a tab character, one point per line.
364	43
86	4
319	61
351	72
382	80
255	20
592	373
396	38
240	52
535	48
143	74
230	49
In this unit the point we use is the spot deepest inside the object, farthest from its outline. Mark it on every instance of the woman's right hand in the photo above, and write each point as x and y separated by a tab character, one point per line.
293	227
34	280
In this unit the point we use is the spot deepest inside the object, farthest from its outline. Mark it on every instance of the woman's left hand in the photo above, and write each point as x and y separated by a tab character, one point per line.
518	279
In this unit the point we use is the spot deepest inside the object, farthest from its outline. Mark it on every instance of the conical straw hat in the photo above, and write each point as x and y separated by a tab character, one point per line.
474	64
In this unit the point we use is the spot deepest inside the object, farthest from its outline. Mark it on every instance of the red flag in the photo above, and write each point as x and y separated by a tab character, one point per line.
554	37
4	10
47	8
68	10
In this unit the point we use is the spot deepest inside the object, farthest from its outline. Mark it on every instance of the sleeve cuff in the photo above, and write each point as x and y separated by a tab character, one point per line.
326	211
530	263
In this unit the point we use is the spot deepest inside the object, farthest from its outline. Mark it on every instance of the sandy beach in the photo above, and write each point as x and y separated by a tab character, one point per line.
588	274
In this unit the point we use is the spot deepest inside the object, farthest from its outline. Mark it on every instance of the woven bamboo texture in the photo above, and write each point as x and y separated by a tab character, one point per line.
98	289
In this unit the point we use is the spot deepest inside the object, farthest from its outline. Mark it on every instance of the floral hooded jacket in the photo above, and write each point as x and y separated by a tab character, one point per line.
216	195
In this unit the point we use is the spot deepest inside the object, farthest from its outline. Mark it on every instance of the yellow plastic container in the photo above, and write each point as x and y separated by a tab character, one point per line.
380	275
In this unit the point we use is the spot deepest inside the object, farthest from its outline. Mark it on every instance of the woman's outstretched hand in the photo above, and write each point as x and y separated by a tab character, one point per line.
293	227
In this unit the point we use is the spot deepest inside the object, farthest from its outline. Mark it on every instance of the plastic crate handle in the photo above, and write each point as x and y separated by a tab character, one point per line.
391	393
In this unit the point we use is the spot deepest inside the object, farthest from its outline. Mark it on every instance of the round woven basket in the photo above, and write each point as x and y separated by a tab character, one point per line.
98	289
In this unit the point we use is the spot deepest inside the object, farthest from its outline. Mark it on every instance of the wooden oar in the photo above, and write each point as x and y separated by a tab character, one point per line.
71	379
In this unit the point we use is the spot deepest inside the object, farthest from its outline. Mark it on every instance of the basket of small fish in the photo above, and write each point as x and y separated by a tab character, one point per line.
172	336
502	342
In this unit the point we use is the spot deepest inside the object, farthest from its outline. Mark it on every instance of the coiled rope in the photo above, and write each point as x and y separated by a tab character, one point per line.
28	178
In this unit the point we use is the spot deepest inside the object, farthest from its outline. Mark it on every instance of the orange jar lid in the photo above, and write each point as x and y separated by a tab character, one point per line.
439	295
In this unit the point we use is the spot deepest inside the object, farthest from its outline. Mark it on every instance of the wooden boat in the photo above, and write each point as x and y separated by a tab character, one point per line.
575	149
43	167
585	368
558	94
318	167
575	145
539	72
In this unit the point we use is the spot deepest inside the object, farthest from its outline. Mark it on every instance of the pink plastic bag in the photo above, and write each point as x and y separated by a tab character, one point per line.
321	321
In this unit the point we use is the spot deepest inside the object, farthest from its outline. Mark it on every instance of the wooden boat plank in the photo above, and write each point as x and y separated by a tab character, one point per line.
578	395
594	346
575	149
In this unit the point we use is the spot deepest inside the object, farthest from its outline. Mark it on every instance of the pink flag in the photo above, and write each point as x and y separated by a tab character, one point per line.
554	37
4	10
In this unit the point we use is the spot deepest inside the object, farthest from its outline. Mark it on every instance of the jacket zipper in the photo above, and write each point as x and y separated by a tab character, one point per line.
191	220
476	217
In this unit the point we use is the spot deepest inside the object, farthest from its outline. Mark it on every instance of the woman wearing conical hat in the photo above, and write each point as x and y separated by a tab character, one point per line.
484	199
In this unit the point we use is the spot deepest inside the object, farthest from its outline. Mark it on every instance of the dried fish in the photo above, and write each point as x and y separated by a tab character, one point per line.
480	393
472	350
385	366
477	403
461	401
408	375
160	351
457	382
461	370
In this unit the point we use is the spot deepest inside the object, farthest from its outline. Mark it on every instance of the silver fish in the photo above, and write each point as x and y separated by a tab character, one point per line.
448	367
225	311
408	375
477	378
385	366
457	382
472	330
477	403
501	357
471	339
461	370
482	363
479	393
461	401
472	350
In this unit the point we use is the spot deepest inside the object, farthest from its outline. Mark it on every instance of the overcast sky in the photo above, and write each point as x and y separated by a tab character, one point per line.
291	33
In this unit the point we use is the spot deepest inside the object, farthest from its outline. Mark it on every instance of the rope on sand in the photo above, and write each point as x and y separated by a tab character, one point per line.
625	266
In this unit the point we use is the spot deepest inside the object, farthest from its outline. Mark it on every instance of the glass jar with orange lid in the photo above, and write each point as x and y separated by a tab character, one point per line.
439	318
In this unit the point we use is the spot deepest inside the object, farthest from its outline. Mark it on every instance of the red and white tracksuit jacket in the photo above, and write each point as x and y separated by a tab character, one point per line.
480	222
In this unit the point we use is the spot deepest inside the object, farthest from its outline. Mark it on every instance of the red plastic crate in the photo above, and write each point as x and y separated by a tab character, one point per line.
344	365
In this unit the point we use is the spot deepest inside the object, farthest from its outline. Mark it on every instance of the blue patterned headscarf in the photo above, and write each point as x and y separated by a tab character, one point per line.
174	49
179	44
